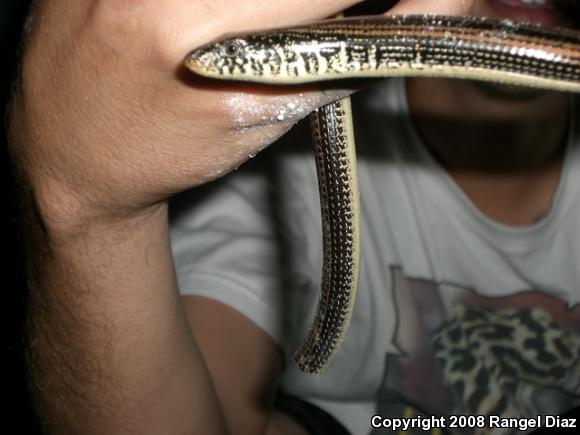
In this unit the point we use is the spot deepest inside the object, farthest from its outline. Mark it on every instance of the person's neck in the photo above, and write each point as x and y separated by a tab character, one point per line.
506	155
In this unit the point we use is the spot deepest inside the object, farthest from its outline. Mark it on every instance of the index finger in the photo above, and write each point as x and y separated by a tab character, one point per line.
225	16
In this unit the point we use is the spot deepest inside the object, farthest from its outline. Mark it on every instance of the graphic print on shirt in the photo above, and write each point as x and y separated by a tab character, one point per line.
458	352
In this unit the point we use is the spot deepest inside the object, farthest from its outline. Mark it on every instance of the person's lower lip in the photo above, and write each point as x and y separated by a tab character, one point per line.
535	11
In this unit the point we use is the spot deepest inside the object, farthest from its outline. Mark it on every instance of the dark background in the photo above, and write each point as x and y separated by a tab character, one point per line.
19	417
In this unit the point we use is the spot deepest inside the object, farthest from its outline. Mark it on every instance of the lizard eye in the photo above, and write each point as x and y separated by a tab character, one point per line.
232	48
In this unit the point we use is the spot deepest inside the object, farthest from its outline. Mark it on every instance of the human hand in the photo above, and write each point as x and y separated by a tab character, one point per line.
108	122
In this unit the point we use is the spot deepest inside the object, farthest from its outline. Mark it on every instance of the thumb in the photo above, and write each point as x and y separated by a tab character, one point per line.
440	7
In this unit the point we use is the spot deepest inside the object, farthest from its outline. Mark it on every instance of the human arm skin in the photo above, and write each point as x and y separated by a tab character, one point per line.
103	130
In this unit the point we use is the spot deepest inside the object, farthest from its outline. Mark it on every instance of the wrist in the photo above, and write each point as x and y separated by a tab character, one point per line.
63	213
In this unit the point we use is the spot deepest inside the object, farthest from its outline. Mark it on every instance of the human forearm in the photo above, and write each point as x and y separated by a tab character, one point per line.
108	346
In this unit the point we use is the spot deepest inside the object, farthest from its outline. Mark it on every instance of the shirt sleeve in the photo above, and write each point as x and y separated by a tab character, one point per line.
225	245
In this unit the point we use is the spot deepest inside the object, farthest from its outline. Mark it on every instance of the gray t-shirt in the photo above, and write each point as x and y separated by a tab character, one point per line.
456	314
